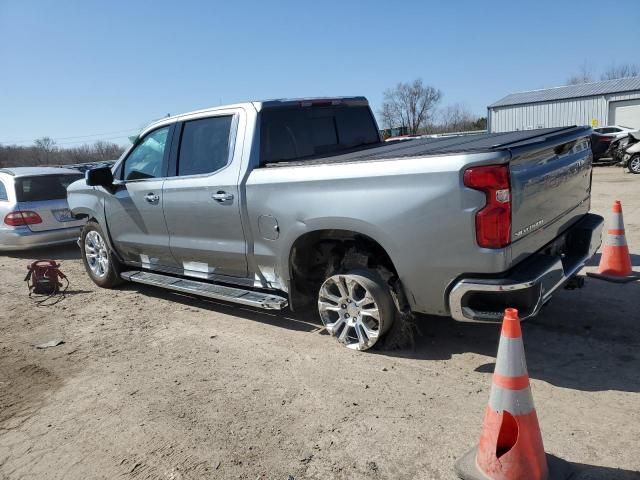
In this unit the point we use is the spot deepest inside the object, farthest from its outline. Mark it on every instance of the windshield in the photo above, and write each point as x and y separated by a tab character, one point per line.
44	187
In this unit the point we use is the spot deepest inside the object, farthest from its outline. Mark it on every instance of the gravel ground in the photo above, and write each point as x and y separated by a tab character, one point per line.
150	384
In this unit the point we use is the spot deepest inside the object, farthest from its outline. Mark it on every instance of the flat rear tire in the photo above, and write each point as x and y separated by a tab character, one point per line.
356	308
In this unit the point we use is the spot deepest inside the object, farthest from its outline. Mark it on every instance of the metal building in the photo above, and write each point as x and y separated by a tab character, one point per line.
612	102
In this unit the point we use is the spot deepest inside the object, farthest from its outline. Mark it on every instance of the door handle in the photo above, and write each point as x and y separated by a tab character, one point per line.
152	198
222	196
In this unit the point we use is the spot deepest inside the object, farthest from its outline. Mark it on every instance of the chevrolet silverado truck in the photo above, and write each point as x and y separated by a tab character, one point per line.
300	202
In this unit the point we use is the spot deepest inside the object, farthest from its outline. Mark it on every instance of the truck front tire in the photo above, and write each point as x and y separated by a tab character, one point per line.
98	259
356	308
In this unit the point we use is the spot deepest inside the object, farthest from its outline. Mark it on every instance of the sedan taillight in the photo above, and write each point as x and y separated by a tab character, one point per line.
493	221
18	219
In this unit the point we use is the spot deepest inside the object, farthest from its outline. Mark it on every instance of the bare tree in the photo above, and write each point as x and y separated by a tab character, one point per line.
106	151
584	75
456	118
46	152
387	116
45	147
621	71
411	105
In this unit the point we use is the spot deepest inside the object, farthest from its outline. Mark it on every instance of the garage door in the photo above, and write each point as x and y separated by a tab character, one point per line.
626	113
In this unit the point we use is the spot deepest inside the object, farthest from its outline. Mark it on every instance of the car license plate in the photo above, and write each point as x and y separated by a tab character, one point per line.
63	215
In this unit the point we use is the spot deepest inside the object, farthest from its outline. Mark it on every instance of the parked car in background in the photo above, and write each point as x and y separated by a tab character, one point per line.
618	146
300	202
631	155
600	145
615	131
83	167
401	138
33	207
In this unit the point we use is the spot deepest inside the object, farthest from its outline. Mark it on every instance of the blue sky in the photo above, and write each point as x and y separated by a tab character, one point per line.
77	68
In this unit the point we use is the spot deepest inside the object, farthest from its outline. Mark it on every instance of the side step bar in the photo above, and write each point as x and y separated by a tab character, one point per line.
209	290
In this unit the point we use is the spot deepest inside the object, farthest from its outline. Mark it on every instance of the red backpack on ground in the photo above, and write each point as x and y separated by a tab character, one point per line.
44	278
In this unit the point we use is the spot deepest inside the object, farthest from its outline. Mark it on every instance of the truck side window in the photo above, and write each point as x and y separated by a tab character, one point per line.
306	132
204	145
146	159
3	193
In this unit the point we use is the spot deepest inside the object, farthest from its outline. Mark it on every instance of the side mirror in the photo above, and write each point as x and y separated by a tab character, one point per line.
100	177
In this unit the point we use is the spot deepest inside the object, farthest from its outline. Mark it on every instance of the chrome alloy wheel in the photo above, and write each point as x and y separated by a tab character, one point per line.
349	312
634	164
95	251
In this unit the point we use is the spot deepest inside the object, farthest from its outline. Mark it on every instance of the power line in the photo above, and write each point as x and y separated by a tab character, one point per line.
74	137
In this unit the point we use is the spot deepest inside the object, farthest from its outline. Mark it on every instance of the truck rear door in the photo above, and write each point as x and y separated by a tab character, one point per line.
201	196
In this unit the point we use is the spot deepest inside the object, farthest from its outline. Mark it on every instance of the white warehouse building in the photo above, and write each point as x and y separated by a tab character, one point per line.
612	102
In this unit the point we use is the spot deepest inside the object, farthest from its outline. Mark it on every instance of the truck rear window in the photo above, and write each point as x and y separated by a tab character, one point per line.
44	187
307	132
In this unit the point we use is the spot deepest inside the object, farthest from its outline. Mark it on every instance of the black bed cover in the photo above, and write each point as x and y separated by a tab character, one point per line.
470	143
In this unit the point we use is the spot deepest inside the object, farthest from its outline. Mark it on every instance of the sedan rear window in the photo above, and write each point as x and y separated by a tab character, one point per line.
44	187
3	193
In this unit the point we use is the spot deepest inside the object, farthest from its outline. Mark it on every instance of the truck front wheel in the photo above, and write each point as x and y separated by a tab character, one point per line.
356	308
98	260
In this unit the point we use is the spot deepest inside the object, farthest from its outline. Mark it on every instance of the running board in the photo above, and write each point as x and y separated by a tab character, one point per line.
209	290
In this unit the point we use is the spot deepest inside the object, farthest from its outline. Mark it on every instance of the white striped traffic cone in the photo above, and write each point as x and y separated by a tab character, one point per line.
615	262
510	445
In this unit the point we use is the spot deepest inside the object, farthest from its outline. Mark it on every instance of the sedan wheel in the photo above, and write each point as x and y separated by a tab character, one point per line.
356	308
96	253
634	164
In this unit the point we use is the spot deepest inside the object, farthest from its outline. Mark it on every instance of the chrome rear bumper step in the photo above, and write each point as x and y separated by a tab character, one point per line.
532	283
209	290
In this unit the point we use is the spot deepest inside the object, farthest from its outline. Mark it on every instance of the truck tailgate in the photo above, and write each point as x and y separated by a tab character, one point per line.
550	188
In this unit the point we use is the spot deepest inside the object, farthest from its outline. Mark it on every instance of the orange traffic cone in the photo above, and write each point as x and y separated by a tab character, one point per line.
615	262
511	443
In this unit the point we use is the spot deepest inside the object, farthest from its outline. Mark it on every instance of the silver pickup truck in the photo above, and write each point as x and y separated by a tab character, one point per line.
297	202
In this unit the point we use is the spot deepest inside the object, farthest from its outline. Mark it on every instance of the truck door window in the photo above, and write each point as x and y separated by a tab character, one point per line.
204	145
147	158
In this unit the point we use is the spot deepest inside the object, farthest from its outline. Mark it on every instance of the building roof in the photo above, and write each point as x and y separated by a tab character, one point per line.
34	171
570	91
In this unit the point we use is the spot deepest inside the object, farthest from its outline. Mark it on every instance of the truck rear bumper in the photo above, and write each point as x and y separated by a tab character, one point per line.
532	282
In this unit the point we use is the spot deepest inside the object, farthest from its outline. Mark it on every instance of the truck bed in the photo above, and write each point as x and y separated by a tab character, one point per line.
471	143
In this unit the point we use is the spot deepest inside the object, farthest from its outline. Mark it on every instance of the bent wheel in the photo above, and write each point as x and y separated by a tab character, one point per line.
356	308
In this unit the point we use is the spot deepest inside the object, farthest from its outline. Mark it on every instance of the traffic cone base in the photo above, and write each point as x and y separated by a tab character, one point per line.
615	279
615	261
467	468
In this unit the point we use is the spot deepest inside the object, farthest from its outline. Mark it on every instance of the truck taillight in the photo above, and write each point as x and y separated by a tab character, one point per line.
493	221
18	219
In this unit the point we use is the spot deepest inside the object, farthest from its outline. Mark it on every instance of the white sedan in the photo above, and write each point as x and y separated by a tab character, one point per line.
615	131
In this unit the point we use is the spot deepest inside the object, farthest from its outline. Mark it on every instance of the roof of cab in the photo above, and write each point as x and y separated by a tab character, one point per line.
35	171
268	104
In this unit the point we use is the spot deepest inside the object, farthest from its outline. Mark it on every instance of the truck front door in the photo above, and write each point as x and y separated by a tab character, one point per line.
134	209
201	196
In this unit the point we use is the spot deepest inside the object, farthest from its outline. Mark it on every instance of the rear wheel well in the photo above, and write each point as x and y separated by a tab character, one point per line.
316	255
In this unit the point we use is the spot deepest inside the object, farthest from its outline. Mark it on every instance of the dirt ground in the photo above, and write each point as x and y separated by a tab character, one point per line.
150	384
